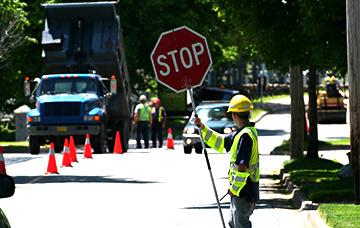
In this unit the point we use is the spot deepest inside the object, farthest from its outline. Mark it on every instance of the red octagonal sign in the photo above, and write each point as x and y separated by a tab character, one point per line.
181	59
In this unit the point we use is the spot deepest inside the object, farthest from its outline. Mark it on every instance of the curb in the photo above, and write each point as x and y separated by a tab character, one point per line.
300	200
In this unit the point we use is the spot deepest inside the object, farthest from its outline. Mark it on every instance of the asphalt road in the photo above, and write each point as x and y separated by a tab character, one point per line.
142	188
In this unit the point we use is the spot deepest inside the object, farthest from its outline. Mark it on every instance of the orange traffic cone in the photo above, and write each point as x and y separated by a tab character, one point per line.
87	147
2	161
66	162
117	146
170	141
72	148
52	167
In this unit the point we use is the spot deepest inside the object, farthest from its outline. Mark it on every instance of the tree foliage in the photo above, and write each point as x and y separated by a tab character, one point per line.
280	33
13	25
13	21
304	33
144	20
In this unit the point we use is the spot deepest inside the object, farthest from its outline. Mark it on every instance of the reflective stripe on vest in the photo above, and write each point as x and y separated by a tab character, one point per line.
213	139
161	117
236	178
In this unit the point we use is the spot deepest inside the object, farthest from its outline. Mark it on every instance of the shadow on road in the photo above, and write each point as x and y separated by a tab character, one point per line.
275	203
275	107
77	179
267	132
210	206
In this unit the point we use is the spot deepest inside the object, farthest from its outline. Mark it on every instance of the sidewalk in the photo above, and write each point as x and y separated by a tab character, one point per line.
278	207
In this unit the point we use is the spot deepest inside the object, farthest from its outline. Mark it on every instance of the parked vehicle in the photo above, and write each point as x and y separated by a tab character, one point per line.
214	115
84	60
330	103
7	190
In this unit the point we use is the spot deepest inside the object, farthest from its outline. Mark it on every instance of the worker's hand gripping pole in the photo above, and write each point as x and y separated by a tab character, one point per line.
207	159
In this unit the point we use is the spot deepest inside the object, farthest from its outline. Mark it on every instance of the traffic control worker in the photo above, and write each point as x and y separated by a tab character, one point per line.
243	172
158	122
143	120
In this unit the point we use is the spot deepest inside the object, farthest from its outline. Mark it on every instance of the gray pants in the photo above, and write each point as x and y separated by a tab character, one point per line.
240	212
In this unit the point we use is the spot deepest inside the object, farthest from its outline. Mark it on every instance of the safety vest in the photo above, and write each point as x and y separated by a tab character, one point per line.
161	114
236	178
144	113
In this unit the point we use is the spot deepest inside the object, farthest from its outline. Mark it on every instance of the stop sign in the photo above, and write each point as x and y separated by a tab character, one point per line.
181	59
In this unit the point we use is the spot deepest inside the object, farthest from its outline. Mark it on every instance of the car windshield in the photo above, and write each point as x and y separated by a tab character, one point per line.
68	85
217	113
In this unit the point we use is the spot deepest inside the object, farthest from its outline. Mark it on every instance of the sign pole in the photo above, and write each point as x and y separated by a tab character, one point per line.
207	160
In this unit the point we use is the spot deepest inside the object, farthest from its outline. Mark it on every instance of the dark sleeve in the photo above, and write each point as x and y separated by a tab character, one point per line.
244	150
228	141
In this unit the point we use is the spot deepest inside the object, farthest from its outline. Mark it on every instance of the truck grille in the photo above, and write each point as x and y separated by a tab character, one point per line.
62	109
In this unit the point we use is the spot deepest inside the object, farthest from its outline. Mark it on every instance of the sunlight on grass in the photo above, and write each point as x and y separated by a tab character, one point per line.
340	215
256	112
15	143
270	98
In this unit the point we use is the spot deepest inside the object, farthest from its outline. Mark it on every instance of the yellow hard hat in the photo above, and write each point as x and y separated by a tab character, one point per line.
240	103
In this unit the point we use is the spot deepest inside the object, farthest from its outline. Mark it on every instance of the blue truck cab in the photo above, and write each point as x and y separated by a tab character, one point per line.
68	104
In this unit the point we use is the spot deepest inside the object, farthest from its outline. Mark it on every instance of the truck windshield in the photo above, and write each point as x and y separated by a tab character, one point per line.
68	85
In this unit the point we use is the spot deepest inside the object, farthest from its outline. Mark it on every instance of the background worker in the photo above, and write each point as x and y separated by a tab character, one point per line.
243	172
143	120
158	123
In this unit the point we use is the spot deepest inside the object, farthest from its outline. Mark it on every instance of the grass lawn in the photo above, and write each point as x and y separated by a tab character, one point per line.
319	179
328	145
15	143
270	98
255	113
15	146
340	215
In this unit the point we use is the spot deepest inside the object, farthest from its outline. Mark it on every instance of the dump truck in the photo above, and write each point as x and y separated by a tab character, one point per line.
330	103
85	87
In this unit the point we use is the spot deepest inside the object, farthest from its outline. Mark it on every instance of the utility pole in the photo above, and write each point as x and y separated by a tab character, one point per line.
353	53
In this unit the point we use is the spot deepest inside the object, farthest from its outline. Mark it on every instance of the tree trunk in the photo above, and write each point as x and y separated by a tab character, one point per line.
353	52
312	149
297	112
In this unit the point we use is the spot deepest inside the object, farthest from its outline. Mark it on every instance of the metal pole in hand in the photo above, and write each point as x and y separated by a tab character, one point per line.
207	160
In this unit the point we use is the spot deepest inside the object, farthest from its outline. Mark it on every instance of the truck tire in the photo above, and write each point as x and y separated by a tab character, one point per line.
98	142
34	145
58	144
198	148
187	149
125	135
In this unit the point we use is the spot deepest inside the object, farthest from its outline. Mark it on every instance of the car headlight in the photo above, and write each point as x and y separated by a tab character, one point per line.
227	130
190	130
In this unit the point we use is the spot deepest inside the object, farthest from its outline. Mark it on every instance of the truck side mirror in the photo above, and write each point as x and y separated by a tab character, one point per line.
27	89
113	84
32	99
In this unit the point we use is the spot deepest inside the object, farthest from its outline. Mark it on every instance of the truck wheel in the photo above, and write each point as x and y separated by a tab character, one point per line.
34	144
58	144
198	148
98	142
187	149
124	135
110	143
